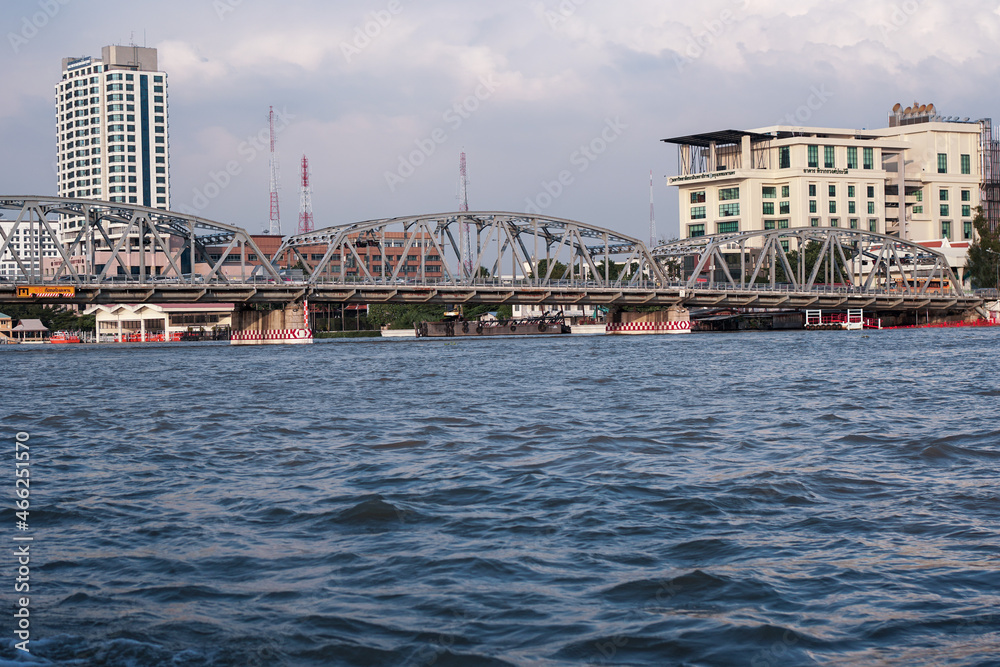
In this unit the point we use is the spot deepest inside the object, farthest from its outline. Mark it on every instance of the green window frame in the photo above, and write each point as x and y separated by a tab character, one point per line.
943	195
769	192
783	224
873	225
966	230
698	197
966	163
698	213
966	195
918	195
726	194
966	210
918	209
944	209
942	163
852	157
871	192
946	229
832	190
726	210
834	222
828	157
695	231
854	223
784	157
812	156
768	225
729	227
784	192
850	191
869	158
852	206
812	206
814	222
871	208
833	207
812	189
784	208
768	208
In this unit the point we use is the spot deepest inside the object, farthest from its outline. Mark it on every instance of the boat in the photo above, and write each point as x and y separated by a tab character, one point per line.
62	337
534	326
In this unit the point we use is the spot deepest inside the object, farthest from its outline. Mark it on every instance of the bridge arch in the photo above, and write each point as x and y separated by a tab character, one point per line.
472	247
123	234
833	256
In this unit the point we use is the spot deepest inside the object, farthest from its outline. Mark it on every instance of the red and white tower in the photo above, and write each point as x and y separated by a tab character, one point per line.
305	200
275	225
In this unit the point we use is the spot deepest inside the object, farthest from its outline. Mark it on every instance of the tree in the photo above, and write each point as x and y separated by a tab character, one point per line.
56	318
558	270
983	260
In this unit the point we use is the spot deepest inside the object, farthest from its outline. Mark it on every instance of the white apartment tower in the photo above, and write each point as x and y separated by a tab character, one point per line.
111	116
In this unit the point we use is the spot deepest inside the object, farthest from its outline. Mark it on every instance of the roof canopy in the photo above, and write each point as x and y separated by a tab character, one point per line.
31	325
720	137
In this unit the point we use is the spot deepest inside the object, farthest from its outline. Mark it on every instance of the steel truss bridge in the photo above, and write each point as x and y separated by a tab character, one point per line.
106	251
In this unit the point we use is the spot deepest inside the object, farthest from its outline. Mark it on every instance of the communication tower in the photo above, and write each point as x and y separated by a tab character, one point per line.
275	224
305	200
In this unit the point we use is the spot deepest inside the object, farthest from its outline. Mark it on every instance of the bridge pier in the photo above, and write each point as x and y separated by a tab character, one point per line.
284	325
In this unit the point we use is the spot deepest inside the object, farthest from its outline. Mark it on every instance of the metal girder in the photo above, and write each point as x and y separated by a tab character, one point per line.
841	259
131	236
536	250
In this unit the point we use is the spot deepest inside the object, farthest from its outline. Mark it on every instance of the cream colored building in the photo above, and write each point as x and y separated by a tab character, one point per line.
924	166
147	322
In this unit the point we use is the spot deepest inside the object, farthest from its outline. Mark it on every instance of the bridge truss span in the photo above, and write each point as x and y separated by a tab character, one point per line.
506	248
810	259
84	241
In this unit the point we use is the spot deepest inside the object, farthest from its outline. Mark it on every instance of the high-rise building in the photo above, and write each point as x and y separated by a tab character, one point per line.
111	116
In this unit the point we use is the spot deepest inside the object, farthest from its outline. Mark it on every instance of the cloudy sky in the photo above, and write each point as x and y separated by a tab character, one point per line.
383	96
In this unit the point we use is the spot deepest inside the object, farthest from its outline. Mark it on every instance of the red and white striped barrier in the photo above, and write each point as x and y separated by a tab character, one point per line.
649	328
262	337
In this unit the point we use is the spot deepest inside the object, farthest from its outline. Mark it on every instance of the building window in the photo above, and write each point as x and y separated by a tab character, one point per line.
812	189
832	190
813	153
918	195
784	245
966	210
783	224
854	223
946	229
873	225
784	157
944	209
729	227
851	207
784	192
966	164
784	208
697	212
768	208
834	222
769	192
852	157
828	161
814	222
918	209
943	195
869	158
833	207
726	194
966	195
850	191
871	192
942	163
696	230
726	210
768	224
966	230
871	208
812	205
698	197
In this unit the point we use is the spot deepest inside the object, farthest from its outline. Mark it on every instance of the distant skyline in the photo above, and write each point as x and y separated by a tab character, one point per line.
558	105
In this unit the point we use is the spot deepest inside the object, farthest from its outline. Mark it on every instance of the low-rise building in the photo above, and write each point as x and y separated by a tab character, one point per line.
147	322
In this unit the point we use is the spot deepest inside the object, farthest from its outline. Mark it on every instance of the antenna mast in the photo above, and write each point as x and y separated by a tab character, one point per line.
652	219
465	242
305	200
275	224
